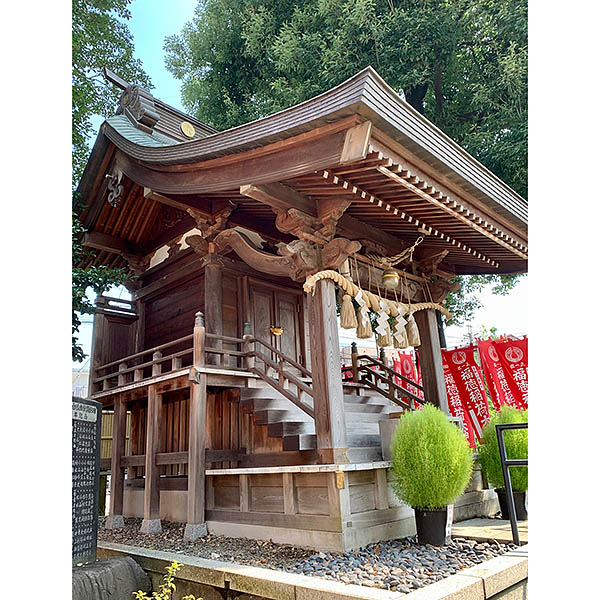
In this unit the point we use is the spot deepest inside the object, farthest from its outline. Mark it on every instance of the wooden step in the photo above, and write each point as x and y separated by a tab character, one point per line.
365	454
256	404
303	441
289	428
364	417
363	440
267	417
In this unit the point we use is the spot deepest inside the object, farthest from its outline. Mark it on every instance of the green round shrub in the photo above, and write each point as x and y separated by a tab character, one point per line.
431	459
516	447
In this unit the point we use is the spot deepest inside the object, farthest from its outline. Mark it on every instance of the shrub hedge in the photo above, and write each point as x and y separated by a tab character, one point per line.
432	461
516	447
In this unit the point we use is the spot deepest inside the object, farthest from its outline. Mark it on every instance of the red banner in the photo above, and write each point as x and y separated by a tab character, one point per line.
469	382
454	403
498	385
405	365
513	356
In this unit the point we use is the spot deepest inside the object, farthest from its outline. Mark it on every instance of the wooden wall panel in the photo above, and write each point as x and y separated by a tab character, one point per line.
171	315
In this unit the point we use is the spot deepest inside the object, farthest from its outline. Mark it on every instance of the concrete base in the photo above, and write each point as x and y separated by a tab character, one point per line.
114	522
213	580
151	526
194	531
108	579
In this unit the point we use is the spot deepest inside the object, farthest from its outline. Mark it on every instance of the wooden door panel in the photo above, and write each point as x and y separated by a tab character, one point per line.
288	340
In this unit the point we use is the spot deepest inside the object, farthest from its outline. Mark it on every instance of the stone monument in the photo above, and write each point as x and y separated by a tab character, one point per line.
87	415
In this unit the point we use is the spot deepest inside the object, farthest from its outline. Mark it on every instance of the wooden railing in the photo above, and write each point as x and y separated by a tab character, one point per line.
375	374
176	458
274	372
118	306
138	367
148	364
225	358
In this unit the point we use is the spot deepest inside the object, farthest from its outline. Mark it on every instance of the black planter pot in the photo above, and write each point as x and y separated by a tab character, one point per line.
520	507
431	525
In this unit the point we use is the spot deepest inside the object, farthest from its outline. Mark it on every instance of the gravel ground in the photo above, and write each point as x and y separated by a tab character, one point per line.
399	565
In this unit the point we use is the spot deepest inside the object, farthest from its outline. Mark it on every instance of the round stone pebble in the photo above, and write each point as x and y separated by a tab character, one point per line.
400	565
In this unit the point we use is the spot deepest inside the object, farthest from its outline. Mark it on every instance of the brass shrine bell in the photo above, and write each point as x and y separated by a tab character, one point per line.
390	279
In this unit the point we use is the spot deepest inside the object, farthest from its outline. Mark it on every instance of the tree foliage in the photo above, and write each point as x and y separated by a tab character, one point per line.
462	63
100	38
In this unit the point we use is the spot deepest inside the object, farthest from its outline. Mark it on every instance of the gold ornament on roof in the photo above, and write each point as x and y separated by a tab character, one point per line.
187	129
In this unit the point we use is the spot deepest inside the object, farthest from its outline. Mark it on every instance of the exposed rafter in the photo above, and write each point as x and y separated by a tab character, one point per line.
385	206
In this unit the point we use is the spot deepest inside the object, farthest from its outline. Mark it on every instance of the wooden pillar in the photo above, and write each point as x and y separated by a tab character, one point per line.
430	356
196	525
151	522
330	422
213	303
117	472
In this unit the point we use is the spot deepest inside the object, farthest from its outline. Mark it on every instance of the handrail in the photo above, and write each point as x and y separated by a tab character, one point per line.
185	338
392	372
304	370
386	375
389	381
284	376
390	397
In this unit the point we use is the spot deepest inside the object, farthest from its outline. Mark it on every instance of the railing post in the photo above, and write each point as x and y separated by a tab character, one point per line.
196	524
199	340
156	366
117	471
248	346
382	357
151	522
354	358
122	376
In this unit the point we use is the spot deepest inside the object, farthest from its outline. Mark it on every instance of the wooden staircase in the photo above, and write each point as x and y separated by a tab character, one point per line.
284	401
363	407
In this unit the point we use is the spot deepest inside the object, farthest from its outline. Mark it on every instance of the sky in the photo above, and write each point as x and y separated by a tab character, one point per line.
150	23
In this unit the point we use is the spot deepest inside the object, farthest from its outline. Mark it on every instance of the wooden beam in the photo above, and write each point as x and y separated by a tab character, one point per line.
446	208
330	423
291	160
279	197
196	525
151	522
109	243
430	357
213	302
380	142
175	203
117	469
356	144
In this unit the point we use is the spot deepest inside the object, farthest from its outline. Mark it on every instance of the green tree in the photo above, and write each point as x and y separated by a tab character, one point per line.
100	38
462	63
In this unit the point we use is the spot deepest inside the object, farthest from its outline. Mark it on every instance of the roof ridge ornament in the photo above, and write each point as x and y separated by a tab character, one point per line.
137	104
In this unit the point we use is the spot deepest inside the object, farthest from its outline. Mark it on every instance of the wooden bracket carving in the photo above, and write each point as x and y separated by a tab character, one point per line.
440	288
137	264
297	260
174	248
337	251
296	222
219	221
330	211
428	265
197	243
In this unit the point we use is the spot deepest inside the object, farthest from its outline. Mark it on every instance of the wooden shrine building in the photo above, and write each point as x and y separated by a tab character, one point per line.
230	371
